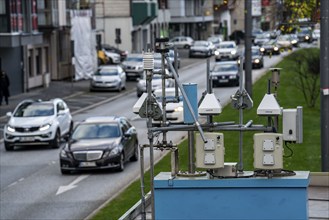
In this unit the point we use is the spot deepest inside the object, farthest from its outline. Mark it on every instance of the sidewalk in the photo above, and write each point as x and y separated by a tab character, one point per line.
56	89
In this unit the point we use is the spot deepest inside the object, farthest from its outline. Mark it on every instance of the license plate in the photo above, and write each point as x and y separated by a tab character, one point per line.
223	80
27	139
131	74
87	164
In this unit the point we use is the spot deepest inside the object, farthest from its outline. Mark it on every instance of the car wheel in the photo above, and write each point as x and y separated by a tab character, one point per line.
8	147
55	143
134	157
121	163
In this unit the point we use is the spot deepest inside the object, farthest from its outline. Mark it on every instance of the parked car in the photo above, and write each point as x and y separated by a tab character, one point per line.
284	42
227	50
260	39
123	53
98	143
305	35
37	122
182	41
133	66
174	108
113	58
225	73
156	80
108	77
171	54
201	48
270	48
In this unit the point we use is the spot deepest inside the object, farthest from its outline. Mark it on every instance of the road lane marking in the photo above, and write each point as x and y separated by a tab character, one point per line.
72	185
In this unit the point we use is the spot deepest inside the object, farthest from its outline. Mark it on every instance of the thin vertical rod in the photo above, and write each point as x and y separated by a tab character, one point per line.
241	90
141	156
191	155
209	87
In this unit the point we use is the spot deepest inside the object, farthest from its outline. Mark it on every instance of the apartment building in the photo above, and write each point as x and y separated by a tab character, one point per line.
22	53
35	45
192	18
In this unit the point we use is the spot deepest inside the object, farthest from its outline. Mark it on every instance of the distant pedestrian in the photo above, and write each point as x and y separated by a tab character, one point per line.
4	86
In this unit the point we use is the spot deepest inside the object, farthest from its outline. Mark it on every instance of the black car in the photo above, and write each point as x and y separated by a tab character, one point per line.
123	53
257	58
100	143
225	73
305	35
270	48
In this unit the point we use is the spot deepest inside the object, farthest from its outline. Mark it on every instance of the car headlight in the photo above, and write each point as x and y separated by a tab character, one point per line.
139	67
307	37
256	60
216	53
179	109
233	52
232	76
10	129
294	41
115	151
44	127
106	154
262	49
276	48
63	153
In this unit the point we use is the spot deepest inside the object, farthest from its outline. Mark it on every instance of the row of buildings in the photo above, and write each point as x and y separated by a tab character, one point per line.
35	35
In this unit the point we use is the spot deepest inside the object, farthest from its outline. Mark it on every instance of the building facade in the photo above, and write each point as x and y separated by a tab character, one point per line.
22	53
192	18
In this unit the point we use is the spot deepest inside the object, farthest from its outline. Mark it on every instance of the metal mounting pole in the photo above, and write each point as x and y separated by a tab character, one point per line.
324	83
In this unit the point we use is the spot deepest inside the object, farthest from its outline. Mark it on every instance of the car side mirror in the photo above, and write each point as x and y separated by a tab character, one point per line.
127	134
9	114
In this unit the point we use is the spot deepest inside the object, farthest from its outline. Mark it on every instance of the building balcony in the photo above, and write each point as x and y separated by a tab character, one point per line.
143	12
20	39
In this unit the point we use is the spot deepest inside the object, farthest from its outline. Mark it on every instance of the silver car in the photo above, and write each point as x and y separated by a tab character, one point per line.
133	66
37	122
182	41
227	50
201	48
108	77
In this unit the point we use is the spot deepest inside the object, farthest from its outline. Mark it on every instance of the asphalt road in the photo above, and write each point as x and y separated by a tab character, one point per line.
32	186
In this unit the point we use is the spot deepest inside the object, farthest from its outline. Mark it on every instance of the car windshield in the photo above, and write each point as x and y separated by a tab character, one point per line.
226	46
284	37
170	96
134	59
225	68
261	36
200	43
304	31
107	72
96	131
34	109
255	52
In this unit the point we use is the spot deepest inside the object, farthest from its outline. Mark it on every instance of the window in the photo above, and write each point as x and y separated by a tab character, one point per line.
3	17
